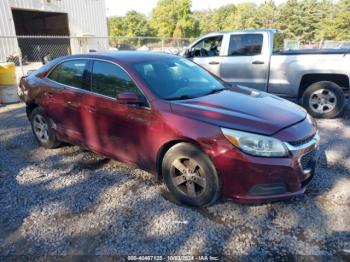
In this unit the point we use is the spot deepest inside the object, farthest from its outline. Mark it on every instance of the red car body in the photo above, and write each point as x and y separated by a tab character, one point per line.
141	135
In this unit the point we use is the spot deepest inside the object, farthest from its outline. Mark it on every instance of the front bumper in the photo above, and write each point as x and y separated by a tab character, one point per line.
253	179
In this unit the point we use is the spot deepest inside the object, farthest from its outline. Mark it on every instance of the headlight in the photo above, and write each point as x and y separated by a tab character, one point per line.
256	145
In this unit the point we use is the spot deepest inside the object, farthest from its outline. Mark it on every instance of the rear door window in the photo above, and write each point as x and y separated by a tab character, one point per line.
70	73
245	45
110	80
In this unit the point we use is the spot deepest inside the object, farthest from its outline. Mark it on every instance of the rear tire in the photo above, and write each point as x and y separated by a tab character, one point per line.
324	99
42	129
190	175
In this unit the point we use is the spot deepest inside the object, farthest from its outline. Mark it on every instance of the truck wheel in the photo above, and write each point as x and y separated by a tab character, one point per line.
42	129
324	99
190	175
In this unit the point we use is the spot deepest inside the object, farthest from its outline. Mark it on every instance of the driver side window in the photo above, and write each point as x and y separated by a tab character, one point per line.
208	47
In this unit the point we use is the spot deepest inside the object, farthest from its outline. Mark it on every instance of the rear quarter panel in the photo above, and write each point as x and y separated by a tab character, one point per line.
286	71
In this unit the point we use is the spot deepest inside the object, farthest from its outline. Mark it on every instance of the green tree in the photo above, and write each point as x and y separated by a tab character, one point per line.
205	21
136	24
168	13
266	14
310	20
289	19
132	24
185	17
326	26
178	31
337	24
222	17
307	20
116	26
215	20
342	20
244	17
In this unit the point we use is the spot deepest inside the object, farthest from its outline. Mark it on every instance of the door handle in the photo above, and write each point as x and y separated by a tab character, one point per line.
257	62
214	63
72	104
91	110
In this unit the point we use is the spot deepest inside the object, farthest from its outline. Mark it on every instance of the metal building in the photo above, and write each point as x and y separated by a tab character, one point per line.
73	21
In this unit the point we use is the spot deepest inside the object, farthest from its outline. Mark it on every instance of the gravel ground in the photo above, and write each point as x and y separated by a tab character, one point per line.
69	201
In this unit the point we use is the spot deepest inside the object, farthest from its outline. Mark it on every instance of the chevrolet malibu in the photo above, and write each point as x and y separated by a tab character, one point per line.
203	137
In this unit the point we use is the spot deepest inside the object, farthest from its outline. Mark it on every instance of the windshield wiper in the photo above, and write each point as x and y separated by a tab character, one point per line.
183	97
215	90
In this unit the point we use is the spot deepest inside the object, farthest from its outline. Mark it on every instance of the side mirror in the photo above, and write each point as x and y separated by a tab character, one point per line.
128	98
187	53
47	58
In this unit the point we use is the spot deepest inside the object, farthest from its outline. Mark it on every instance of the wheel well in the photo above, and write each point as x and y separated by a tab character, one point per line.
162	151
307	80
29	109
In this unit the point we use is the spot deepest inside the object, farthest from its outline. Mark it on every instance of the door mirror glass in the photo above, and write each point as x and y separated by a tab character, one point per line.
128	98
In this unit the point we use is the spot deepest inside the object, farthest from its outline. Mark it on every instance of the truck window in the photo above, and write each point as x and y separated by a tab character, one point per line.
278	42
245	45
207	47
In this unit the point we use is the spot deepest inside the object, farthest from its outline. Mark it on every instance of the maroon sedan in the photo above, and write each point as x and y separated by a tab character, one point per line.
167	115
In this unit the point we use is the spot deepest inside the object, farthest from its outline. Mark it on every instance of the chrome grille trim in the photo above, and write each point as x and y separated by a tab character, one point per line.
301	141
310	144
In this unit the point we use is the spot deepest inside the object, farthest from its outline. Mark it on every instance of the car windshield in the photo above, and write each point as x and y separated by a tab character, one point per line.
177	78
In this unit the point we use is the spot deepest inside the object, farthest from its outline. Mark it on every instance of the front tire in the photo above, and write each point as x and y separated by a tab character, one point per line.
42	129
324	99
190	175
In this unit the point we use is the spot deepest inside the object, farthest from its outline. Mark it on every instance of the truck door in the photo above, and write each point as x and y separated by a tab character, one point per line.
207	53
246	60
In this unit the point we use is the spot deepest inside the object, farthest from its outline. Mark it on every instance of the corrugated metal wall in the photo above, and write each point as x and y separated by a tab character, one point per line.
84	16
7	45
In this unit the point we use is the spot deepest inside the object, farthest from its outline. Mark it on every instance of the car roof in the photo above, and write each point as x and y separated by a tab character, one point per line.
126	57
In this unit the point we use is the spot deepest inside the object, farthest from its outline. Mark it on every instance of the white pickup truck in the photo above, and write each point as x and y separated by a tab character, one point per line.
318	79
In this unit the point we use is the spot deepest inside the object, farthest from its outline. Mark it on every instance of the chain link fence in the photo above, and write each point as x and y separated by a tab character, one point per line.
30	52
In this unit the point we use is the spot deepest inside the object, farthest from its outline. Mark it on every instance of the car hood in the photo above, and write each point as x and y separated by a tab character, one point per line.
243	109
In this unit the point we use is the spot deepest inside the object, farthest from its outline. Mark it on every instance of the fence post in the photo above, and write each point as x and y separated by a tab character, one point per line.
298	45
20	60
321	44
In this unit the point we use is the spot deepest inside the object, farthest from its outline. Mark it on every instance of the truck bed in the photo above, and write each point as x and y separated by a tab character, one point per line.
313	52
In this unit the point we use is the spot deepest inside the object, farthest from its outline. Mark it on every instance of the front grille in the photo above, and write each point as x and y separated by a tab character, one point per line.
302	141
307	160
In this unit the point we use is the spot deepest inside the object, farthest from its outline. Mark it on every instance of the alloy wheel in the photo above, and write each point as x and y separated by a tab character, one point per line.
187	177
322	101
41	128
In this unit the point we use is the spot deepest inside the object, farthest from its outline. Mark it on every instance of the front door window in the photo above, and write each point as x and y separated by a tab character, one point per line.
208	47
110	80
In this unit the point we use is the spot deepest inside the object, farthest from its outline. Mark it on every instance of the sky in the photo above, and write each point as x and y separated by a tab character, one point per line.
121	7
